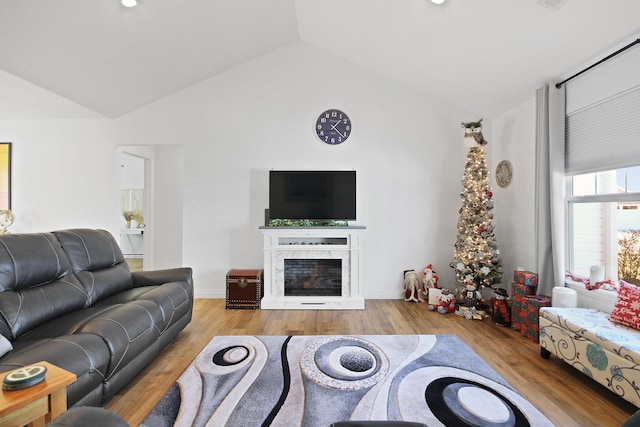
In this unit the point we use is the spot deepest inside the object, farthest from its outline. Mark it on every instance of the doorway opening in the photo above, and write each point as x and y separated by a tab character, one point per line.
134	209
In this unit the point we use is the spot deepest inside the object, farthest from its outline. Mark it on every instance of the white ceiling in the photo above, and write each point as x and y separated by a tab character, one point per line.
486	56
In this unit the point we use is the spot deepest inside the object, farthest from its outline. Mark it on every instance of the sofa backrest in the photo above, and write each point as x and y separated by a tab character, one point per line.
97	261
35	284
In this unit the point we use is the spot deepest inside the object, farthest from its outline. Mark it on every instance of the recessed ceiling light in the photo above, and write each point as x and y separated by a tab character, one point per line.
129	3
552	4
437	1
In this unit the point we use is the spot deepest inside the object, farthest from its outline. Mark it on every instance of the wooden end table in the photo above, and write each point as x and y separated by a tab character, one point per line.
39	404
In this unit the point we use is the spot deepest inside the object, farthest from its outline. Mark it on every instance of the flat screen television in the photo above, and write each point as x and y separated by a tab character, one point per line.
314	195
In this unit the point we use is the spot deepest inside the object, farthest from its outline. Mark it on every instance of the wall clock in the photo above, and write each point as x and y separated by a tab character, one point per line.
504	173
333	127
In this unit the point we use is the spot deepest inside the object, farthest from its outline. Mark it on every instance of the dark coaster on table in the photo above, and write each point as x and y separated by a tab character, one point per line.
24	377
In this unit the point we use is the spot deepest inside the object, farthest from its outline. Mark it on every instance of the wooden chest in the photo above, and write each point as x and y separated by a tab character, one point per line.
244	288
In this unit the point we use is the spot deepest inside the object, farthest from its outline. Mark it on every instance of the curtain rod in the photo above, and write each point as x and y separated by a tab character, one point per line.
598	63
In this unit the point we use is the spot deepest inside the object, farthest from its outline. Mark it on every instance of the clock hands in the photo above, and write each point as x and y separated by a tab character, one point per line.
333	126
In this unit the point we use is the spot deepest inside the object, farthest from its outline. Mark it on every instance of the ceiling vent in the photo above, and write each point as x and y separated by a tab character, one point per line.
552	4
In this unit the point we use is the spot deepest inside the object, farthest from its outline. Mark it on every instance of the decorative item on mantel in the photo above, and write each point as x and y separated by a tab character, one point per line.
6	219
305	223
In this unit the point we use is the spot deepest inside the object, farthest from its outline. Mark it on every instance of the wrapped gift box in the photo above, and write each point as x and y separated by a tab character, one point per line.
434	296
527	278
518	294
530	313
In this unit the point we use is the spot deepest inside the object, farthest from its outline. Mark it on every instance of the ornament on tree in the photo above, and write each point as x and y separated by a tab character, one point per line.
476	254
473	134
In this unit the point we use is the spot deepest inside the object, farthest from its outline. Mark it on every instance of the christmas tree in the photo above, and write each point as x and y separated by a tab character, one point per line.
476	254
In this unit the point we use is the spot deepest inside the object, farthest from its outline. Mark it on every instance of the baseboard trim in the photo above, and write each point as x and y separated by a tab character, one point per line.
221	293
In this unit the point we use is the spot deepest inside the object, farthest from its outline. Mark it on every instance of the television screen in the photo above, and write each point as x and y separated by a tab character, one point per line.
315	195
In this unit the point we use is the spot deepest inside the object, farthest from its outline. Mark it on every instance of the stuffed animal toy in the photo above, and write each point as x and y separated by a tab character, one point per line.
472	298
429	278
412	286
501	309
447	303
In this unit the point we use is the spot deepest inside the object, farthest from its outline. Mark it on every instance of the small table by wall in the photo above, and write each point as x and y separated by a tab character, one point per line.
132	242
39	404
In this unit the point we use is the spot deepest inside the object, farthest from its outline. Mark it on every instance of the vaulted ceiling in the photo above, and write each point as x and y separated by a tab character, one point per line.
486	56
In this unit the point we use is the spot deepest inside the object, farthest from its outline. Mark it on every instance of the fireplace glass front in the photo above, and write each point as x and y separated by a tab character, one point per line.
313	277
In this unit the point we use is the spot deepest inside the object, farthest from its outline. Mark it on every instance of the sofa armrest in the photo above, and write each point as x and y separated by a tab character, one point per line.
158	277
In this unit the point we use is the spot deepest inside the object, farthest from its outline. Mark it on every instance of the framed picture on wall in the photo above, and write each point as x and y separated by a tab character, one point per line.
5	175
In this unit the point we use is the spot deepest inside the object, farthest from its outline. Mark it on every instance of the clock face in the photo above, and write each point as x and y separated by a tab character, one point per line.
333	127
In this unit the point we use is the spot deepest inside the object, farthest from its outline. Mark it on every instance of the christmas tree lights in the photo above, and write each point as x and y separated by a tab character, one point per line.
476	254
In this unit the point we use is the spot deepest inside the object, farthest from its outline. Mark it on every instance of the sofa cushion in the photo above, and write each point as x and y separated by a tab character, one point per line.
127	330
627	309
35	282
174	300
595	326
96	260
32	307
66	324
29	260
85	355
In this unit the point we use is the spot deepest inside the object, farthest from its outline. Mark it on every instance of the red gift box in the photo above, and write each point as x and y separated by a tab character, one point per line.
530	312
527	278
518	294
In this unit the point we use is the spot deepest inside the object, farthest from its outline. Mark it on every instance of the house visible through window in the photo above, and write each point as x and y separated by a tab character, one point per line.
604	223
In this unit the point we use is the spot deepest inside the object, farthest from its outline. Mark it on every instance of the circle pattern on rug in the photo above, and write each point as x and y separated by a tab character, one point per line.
345	363
357	360
230	356
483	404
463	402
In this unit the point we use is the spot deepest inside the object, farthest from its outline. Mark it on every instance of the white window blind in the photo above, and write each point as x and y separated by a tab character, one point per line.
604	135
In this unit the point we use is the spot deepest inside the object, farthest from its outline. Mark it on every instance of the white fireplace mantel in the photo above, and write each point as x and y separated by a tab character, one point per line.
282	243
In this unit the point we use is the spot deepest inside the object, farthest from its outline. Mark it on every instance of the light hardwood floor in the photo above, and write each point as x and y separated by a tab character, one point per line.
566	396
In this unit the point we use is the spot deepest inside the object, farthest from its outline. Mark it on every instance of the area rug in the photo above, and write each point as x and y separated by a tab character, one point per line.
317	380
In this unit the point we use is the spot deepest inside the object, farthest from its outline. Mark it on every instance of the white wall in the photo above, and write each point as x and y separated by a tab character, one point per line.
64	174
168	215
406	148
514	140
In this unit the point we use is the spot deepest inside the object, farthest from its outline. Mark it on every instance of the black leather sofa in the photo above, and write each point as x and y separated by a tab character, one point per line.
84	416
68	297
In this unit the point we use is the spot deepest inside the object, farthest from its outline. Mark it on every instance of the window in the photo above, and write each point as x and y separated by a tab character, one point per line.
604	223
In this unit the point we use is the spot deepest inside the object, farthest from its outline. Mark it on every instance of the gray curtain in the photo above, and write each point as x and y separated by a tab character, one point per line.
550	188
